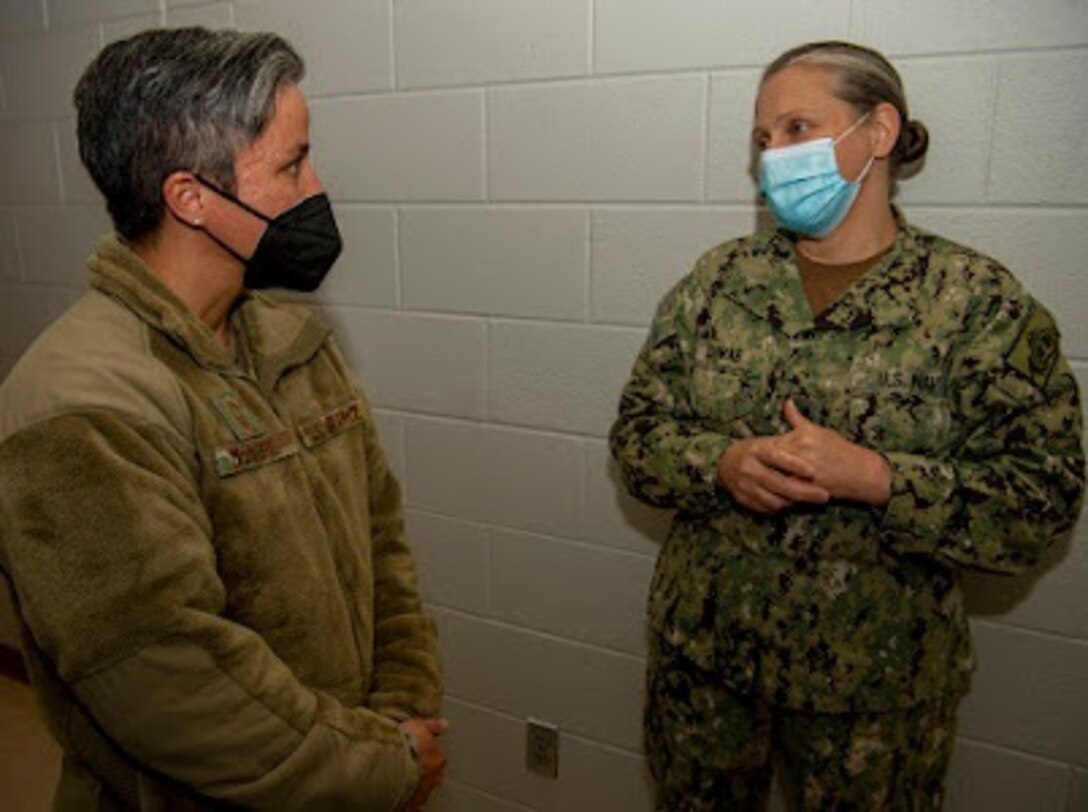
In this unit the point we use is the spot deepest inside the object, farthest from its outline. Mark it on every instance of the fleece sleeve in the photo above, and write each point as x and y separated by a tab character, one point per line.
109	548
407	677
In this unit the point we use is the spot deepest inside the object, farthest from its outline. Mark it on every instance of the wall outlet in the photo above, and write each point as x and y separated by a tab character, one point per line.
542	748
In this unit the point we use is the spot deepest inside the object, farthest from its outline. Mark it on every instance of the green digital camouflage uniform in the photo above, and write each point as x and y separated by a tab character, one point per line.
937	358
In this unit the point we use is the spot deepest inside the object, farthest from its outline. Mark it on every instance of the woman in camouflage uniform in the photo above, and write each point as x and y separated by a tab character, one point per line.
844	414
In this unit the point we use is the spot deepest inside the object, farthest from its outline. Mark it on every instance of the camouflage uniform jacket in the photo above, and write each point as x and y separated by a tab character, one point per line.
219	604
938	359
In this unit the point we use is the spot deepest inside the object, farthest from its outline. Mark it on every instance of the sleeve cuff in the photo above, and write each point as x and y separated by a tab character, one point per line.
412	766
701	459
921	501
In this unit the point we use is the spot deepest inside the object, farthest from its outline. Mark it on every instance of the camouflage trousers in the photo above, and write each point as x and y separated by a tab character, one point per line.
713	751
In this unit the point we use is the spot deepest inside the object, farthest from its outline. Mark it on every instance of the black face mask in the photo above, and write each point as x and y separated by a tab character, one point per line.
297	248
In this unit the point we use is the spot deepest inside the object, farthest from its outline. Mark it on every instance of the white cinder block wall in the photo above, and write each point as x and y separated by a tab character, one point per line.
519	181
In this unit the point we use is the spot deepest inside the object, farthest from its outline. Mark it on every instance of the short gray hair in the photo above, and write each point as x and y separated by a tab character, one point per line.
171	99
863	78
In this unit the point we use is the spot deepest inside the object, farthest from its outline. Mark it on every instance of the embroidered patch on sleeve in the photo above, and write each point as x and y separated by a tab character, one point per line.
1036	350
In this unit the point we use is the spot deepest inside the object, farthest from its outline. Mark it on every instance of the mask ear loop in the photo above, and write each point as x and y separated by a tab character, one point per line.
846	132
842	135
865	171
219	190
246	207
225	194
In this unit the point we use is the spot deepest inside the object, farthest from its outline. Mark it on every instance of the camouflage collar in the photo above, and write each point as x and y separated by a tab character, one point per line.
276	336
887	296
764	279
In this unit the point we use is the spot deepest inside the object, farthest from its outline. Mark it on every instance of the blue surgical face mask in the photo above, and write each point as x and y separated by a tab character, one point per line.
804	187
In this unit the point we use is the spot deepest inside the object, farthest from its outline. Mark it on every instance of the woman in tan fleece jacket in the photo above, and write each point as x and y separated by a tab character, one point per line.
206	544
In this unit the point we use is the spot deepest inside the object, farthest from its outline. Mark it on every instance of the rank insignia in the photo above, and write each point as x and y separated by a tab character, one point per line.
243	424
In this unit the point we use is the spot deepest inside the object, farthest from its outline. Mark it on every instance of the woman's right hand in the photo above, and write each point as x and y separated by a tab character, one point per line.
432	758
764	477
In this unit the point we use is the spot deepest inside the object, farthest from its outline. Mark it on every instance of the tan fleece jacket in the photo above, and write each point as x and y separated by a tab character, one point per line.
219	602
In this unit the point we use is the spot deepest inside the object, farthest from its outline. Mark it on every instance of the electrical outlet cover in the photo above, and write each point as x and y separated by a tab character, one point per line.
542	748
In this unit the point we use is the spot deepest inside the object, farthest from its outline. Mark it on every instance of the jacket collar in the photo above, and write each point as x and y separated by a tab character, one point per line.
276	336
765	281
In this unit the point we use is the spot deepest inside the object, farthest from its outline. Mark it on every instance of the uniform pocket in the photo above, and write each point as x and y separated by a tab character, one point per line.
901	419
725	398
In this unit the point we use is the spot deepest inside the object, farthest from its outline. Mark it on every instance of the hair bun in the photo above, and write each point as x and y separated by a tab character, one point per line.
913	142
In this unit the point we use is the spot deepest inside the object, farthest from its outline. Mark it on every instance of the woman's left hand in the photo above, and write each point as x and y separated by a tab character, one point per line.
845	469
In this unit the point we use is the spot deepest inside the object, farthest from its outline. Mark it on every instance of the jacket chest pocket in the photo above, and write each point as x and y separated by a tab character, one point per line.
726	398
913	416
